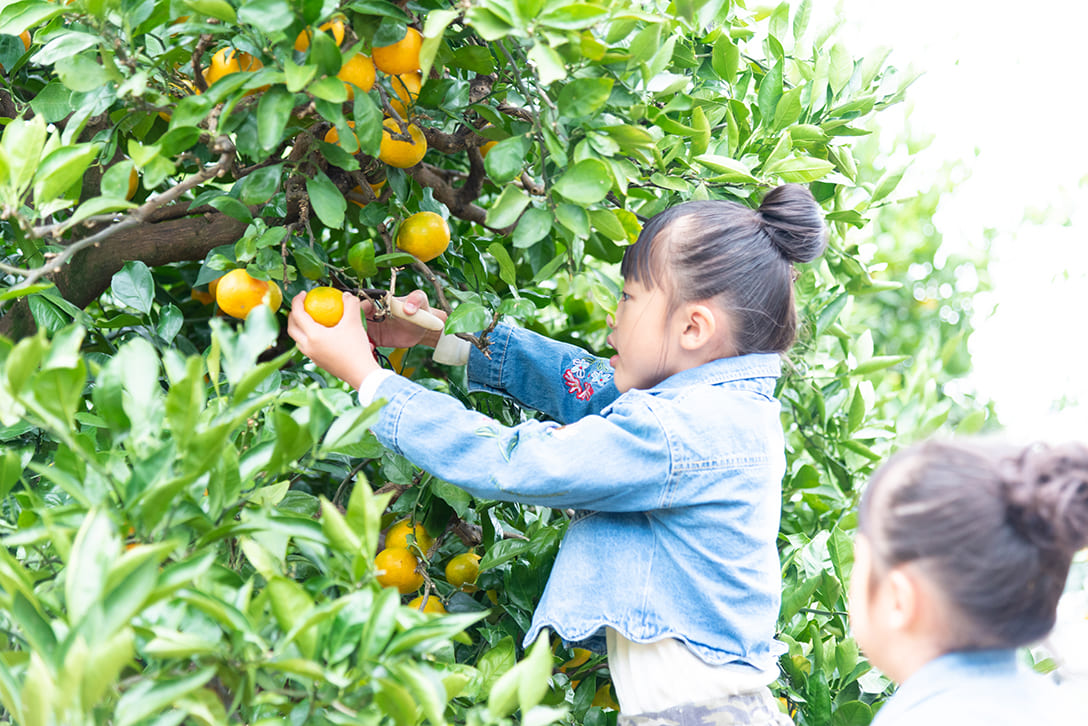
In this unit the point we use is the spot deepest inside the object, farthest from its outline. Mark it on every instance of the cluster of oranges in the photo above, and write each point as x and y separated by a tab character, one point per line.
399	566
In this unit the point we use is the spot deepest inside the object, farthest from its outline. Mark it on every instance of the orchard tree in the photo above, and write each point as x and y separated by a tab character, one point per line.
198	527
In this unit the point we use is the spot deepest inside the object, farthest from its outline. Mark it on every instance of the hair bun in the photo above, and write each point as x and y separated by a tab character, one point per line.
794	223
1046	491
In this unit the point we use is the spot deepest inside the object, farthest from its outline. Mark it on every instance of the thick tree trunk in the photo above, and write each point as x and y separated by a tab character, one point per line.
156	243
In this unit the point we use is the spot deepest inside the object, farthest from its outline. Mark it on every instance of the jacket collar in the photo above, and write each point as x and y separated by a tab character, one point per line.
726	370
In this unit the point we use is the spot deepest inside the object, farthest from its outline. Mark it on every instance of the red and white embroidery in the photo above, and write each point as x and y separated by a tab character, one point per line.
583	374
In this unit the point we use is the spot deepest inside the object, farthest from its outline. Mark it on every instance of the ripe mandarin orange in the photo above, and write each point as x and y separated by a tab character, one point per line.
424	234
434	605
397	535
400	57
406	87
357	71
237	293
397	568
401	154
227	61
325	305
336	26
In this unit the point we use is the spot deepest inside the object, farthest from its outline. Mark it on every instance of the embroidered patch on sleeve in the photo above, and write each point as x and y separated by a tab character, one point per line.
585	375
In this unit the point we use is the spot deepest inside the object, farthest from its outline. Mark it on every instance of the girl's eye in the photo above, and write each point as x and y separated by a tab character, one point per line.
624	296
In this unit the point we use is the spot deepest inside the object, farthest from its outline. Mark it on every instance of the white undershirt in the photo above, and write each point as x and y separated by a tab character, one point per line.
651	677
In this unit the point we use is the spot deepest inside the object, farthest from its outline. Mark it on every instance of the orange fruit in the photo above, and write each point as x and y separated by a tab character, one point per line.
133	183
237	293
227	61
401	154
25	37
486	147
376	188
332	136
425	235
336	25
397	536
406	87
357	70
325	305
397	568
462	569
202	297
213	285
434	605
402	56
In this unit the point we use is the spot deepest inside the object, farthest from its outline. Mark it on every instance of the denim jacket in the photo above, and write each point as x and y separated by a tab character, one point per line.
984	687
677	488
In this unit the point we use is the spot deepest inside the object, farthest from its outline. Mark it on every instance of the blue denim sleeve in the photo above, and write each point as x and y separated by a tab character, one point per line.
616	463
561	381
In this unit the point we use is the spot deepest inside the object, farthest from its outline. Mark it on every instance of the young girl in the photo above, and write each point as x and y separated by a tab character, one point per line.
962	553
672	451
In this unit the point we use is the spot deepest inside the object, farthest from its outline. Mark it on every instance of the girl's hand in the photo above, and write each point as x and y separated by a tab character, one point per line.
343	350
394	332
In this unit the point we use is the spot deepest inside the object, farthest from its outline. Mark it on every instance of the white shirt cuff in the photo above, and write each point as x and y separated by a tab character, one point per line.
451	351
368	389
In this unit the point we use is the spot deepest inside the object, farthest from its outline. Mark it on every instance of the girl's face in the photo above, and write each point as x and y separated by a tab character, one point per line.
868	605
643	338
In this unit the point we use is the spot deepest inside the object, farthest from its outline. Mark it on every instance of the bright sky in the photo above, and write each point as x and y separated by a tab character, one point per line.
1002	90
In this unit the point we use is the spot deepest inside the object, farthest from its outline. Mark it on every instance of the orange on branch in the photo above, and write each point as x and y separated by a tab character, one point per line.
434	605
335	26
25	37
406	87
401	154
357	70
227	61
398	535
486	147
325	305
332	136
237	294
397	568
376	188
425	235
463	569
402	56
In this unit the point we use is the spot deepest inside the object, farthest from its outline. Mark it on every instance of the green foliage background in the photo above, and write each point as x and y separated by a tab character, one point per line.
190	513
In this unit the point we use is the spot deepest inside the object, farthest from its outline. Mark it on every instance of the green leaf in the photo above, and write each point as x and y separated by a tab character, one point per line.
728	170
587	182
584	96
133	286
575	218
95	548
326	199
296	76
506	159
259	186
53	102
841	68
802	169
269	16
507	272
507	208
468	318
770	91
725	58
218	9
148	697
273	112
20	149
82	72
877	363
434	27
533	226
549	64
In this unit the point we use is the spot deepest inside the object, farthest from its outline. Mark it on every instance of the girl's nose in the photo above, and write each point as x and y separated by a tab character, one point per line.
610	320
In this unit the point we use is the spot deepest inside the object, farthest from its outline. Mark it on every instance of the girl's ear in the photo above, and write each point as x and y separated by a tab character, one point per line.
701	325
907	602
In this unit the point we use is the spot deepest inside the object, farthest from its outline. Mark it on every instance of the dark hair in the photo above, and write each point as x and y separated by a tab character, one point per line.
995	527
725	251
